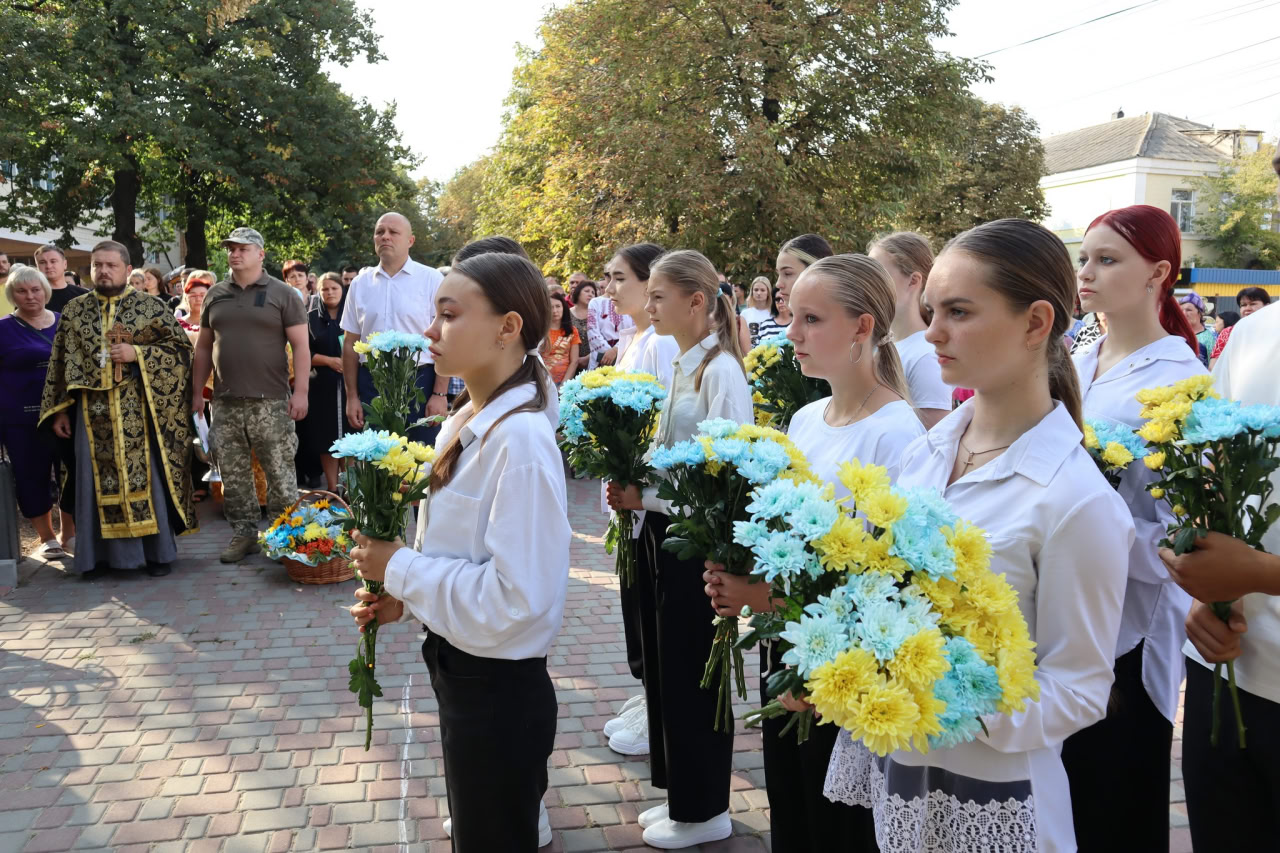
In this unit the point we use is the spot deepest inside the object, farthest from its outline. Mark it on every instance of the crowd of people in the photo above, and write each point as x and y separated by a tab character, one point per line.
1002	313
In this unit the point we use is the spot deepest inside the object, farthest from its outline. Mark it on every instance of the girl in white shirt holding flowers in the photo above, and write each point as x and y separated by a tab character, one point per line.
689	758
844	307
1010	461
490	582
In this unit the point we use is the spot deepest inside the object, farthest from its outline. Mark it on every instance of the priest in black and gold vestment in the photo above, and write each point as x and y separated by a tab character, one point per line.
119	381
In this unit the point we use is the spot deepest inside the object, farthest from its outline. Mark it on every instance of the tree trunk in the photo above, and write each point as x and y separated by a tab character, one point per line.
197	216
124	207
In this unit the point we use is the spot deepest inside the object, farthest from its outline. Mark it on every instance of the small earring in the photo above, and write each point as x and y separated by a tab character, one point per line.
853	360
1150	288
502	344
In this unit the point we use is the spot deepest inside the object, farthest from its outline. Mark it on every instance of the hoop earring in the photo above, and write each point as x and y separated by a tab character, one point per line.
860	347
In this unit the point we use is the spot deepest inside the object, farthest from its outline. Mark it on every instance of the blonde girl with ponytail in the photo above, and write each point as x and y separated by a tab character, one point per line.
688	757
844	311
1011	461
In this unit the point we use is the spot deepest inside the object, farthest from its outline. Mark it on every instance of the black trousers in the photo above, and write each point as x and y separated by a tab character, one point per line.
426	382
687	756
1123	758
636	599
1233	794
801	819
497	729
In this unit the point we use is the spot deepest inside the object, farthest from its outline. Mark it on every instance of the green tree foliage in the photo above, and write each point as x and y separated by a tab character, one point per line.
727	125
992	173
1236	211
207	113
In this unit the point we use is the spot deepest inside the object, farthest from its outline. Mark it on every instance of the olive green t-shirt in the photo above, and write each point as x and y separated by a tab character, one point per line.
248	323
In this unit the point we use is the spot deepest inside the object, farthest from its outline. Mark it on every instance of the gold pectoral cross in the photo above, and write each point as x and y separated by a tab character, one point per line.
119	335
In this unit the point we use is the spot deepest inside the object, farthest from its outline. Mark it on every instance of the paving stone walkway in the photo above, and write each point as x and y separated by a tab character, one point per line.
209	711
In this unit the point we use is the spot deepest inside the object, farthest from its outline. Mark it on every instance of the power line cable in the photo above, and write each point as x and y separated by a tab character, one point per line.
1181	67
1228	9
1245	12
1236	106
1067	29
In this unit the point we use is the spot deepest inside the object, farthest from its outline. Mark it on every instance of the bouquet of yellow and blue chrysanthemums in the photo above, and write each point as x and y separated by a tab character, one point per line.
607	417
709	479
308	533
1113	447
393	366
778	388
890	618
385	474
1215	459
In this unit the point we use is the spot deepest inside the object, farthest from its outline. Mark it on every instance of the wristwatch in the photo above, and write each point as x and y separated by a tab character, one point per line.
439	394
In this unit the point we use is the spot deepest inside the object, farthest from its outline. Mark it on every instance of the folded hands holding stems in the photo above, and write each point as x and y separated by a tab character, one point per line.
370	557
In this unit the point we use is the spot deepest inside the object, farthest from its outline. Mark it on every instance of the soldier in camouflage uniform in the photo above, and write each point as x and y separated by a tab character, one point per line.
246	322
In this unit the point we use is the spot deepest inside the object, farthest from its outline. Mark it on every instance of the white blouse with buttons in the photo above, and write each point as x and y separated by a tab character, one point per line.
493	565
1061	536
723	393
1154	607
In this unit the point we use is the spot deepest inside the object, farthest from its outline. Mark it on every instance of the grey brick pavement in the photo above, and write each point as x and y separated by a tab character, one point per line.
208	711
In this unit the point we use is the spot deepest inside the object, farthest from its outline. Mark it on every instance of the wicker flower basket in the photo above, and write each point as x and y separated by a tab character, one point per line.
335	570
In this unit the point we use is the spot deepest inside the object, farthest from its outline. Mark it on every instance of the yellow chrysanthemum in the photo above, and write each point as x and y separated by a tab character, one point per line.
880	560
942	592
1179	509
1090	437
361	347
1157	493
862	480
835	687
1016	670
884	718
1158	431
295	521
1176	409
919	661
313	532
930	708
1117	454
421	453
1154	461
1156	396
1196	387
973	551
883	508
991	594
843	548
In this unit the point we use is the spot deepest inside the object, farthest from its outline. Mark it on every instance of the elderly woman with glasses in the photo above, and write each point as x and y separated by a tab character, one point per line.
26	339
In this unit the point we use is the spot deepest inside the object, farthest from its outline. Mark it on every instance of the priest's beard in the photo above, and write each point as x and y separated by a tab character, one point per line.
108	288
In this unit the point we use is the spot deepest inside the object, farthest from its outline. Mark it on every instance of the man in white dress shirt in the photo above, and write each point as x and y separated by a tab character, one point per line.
1234	792
399	294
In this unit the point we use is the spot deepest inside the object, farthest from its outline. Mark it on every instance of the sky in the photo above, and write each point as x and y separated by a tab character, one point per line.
449	64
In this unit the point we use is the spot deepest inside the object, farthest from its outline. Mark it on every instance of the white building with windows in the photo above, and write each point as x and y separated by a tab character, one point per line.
1146	159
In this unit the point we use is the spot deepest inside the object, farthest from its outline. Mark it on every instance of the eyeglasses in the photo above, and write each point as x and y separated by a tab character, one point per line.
779	299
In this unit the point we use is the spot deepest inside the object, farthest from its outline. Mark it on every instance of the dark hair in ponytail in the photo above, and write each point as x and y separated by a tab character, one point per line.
640	257
510	283
496	243
1155	235
1029	263
693	273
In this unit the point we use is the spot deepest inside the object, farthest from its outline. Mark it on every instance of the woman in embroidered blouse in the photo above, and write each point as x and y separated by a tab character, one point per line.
844	308
490	582
688	758
1129	263
642	349
1011	461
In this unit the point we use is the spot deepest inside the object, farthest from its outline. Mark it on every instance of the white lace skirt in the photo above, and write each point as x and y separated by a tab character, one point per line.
926	809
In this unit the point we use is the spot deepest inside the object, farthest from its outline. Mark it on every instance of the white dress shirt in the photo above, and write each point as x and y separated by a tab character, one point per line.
1246	371
724	393
647	352
878	439
923	372
404	302
1155	608
1061	536
493	564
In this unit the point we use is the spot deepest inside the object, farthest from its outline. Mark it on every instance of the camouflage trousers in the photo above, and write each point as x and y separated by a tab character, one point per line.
242	426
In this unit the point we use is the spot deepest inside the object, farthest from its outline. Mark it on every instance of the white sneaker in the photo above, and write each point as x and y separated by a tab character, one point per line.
657	814
633	702
619	722
544	826
633	739
674	835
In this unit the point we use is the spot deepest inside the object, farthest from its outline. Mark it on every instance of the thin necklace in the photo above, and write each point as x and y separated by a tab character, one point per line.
973	453
860	405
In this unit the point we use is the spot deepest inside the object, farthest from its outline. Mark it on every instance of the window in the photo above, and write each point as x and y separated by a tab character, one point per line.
1183	209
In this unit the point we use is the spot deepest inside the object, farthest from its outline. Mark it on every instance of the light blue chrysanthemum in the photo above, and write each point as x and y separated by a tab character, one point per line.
813	518
768	459
1261	418
748	533
838	605
1113	432
1213	419
680	453
870	588
918	537
815	641
367	446
780	554
775	499
390	341
881	628
718	427
730	450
